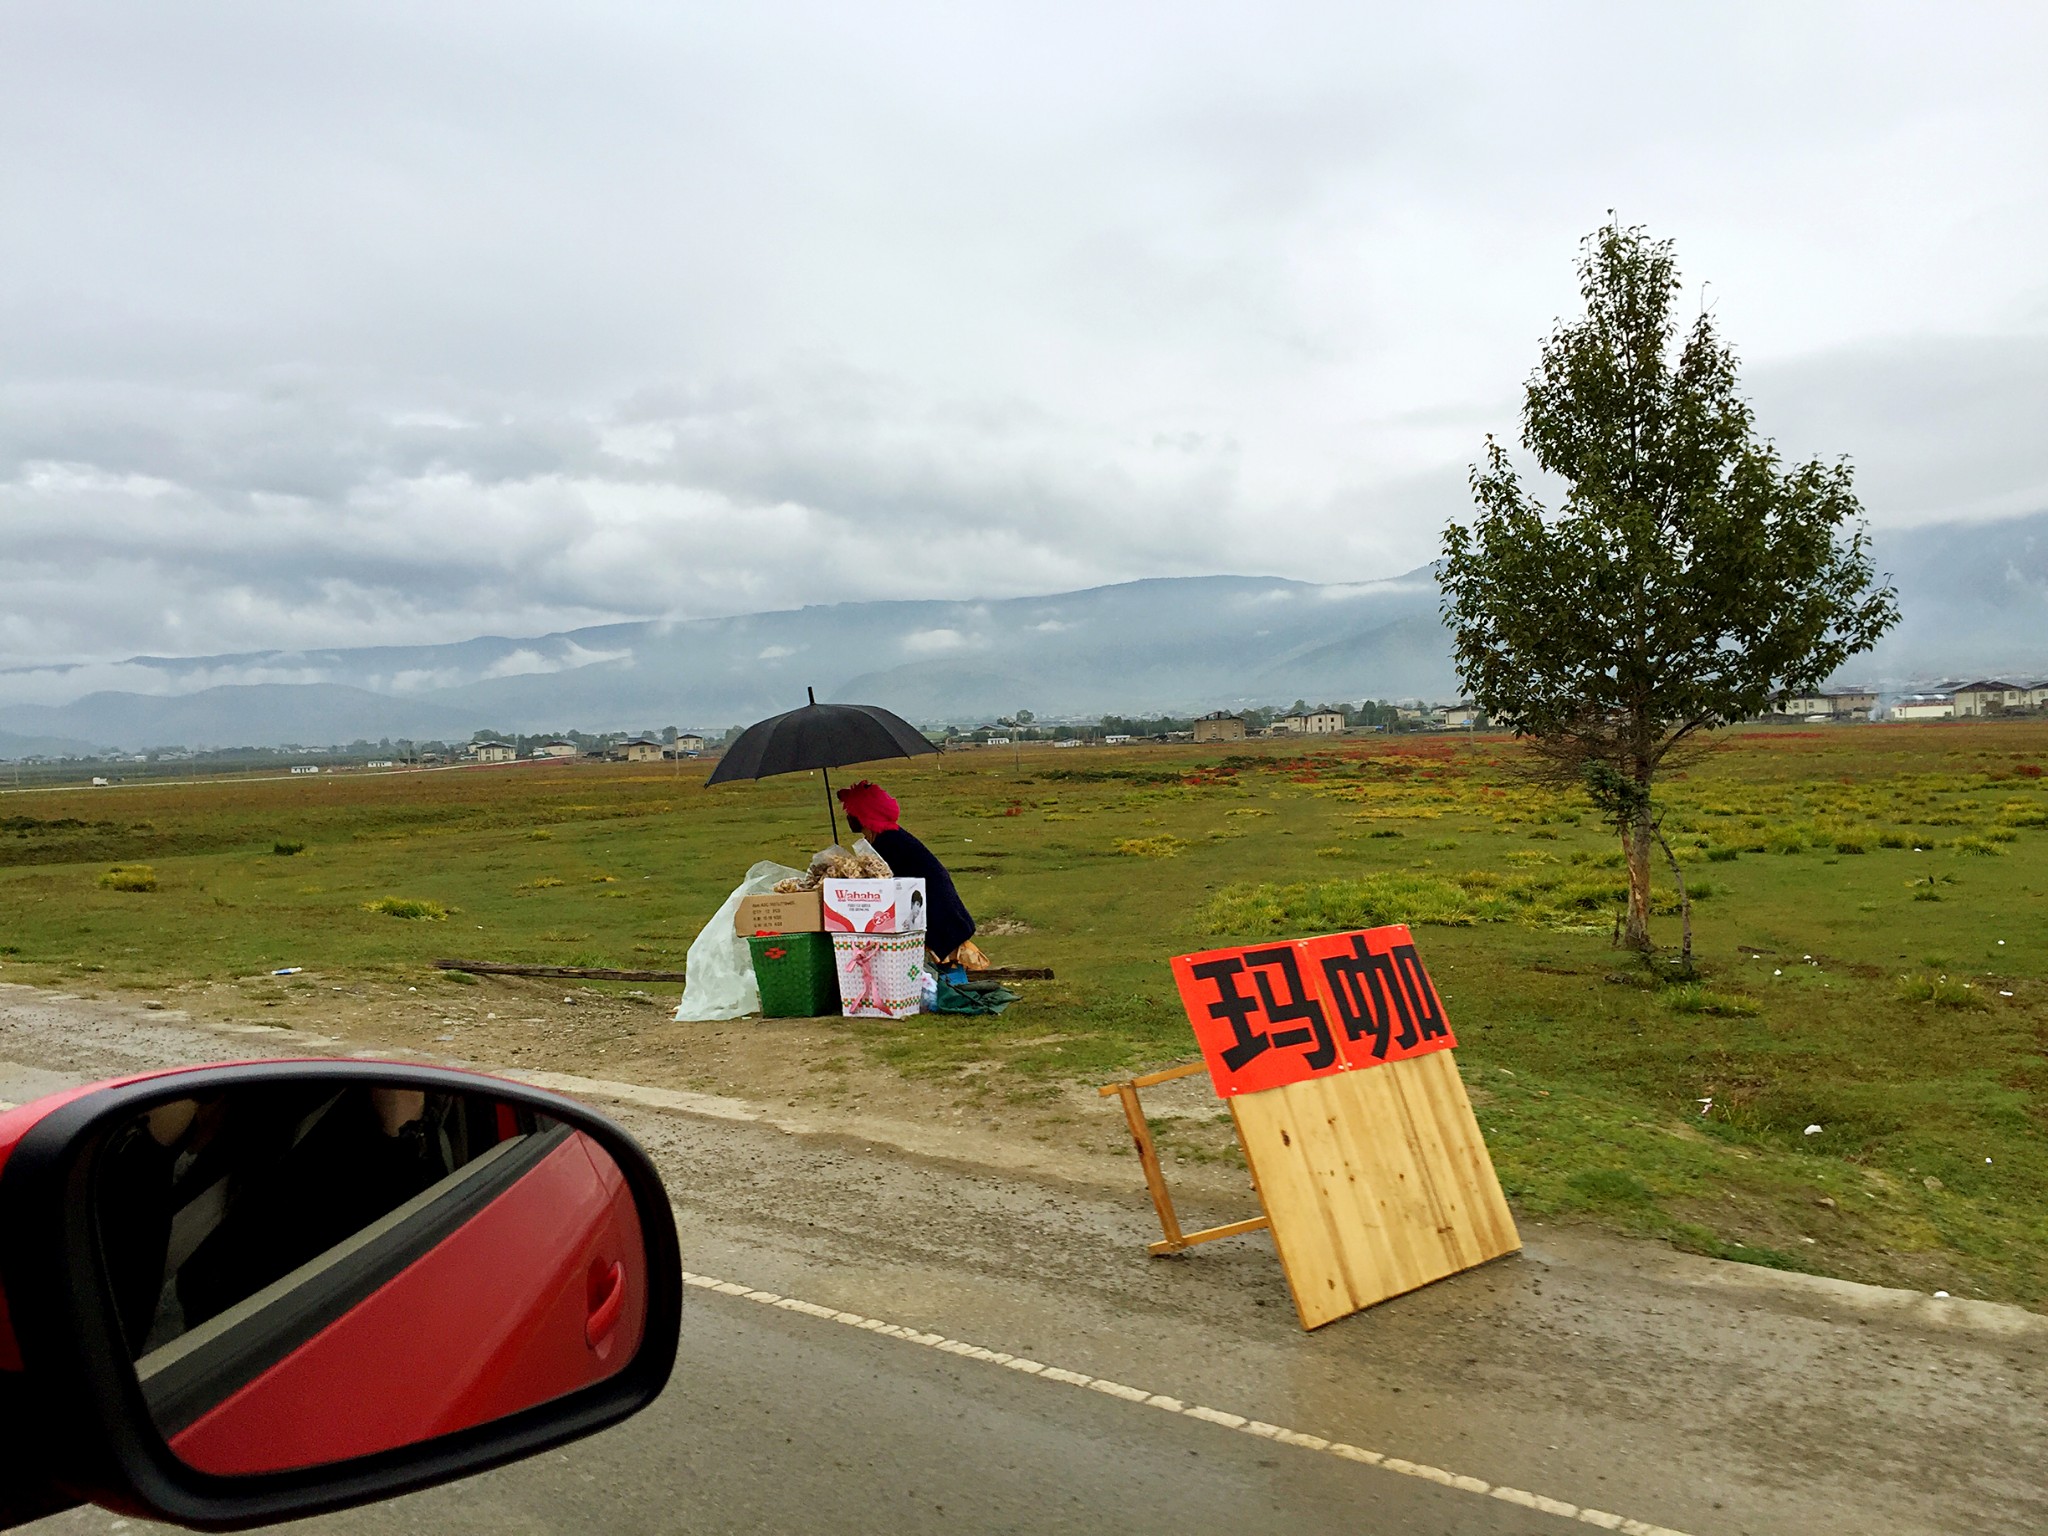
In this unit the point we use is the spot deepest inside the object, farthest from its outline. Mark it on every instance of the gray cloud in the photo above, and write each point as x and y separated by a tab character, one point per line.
372	323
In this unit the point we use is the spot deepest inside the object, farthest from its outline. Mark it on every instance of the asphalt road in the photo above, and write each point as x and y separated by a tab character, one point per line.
1703	1398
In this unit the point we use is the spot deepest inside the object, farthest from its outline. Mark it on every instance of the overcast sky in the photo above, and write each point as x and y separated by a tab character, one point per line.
351	323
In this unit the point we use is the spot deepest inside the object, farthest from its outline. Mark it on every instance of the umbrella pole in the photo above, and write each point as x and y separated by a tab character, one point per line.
829	808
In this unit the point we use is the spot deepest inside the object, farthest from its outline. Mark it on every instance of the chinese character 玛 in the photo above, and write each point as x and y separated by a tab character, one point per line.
1289	1004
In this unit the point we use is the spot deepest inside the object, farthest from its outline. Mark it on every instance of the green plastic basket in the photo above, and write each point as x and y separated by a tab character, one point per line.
798	976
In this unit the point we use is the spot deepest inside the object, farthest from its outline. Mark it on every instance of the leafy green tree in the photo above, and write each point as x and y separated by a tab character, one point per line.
1688	577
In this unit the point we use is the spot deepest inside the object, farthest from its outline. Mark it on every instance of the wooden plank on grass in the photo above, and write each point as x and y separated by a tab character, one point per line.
571	972
599	973
1376	1183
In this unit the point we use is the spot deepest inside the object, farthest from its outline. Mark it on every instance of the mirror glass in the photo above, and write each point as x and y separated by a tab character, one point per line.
314	1270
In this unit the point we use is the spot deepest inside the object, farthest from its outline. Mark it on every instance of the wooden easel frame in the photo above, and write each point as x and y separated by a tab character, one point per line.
1175	1240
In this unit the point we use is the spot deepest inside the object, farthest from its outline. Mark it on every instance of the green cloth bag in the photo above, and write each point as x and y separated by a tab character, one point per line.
983	997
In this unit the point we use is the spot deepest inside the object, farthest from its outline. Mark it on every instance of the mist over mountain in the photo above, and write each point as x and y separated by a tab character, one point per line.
1170	644
1973	602
13	747
1974	598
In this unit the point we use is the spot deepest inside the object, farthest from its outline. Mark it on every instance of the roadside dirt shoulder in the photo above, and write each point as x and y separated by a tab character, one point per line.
811	1072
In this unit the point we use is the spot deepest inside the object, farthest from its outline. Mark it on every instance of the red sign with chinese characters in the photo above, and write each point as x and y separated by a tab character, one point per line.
1267	1015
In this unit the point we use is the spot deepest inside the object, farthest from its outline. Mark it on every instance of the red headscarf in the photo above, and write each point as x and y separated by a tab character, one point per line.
872	806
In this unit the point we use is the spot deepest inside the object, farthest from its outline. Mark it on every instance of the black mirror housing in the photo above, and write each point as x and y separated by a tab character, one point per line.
97	1436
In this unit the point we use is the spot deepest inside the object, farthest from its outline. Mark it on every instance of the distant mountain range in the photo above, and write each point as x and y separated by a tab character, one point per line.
1974	596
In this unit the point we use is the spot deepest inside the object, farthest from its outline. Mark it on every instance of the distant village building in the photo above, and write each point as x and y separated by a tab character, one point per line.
1992	697
1321	722
1116	741
1924	706
1836	704
557	749
640	749
305	767
1463	716
689	745
1220	726
999	741
495	752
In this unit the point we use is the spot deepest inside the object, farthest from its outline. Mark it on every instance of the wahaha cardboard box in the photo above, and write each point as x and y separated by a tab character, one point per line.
881	976
874	906
779	912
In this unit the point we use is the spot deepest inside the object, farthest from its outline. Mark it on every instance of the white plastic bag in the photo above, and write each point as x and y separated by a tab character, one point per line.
719	970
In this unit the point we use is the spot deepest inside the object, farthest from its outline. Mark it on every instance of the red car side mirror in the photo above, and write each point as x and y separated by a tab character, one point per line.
236	1295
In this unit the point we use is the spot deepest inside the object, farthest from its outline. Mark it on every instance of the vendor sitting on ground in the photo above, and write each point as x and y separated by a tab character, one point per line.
949	927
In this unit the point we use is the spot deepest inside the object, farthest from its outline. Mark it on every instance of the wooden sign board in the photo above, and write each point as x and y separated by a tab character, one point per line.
1334	1055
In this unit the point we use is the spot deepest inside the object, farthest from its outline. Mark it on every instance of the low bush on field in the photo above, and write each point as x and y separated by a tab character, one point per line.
1941	992
1164	846
1849	845
1693	998
129	877
1724	855
1971	844
407	907
1536	898
286	850
1331	906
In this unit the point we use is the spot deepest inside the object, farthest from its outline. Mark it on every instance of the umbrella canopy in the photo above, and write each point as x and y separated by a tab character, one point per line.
819	736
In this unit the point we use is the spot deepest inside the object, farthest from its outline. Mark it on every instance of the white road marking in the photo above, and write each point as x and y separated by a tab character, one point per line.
1598	1518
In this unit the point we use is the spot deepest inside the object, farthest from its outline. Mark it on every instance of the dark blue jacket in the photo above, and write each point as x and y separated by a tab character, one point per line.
948	923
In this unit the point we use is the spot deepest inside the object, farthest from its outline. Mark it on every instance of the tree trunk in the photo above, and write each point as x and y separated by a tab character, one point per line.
1637	836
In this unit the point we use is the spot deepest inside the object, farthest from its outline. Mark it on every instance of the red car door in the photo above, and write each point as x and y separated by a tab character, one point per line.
540	1292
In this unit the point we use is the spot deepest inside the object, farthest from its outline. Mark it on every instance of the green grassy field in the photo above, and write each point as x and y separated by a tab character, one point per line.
1871	909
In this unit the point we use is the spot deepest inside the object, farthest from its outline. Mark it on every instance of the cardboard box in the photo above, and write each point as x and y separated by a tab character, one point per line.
779	912
874	906
881	976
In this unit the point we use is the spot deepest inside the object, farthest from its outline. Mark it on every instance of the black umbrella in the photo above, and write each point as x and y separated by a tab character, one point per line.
823	736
